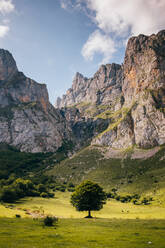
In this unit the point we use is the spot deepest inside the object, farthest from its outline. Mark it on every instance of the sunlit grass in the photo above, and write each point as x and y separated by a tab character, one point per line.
60	206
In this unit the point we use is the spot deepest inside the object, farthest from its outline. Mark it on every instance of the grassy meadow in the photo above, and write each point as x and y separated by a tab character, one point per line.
60	206
117	225
82	233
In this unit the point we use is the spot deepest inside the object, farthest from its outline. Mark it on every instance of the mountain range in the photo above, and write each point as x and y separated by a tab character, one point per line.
121	106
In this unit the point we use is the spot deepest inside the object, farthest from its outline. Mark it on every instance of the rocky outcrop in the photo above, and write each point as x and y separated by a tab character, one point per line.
103	88
27	120
8	66
83	129
131	96
144	67
143	90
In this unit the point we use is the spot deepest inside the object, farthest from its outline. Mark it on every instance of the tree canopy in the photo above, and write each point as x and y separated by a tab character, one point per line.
88	196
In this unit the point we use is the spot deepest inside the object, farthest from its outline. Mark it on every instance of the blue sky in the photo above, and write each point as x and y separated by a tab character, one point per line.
53	39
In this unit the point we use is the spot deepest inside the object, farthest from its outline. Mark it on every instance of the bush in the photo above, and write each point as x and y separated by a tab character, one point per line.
136	202
8	195
18	216
147	200
51	195
114	190
50	221
61	188
118	198
44	195
41	188
71	185
71	189
111	195
13	189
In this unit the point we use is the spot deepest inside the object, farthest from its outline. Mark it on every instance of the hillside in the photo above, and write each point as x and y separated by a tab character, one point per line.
129	171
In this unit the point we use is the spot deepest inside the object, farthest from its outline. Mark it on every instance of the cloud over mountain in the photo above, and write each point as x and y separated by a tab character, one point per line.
99	43
117	20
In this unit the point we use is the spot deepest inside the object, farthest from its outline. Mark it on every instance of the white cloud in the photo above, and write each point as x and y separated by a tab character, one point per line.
71	5
117	20
99	43
6	6
67	4
125	17
3	30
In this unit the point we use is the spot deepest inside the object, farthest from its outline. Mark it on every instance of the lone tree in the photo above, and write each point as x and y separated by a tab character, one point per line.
88	196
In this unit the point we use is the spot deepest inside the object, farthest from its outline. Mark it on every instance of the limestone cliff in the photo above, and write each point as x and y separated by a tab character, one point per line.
102	88
131	97
119	107
27	120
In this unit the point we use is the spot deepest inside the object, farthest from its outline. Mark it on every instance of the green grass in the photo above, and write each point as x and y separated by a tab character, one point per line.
143	176
25	164
20	163
117	225
60	206
82	233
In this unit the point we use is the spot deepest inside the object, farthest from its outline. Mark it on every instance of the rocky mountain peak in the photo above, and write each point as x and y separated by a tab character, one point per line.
107	78
130	97
78	82
27	119
142	116
144	65
16	88
8	65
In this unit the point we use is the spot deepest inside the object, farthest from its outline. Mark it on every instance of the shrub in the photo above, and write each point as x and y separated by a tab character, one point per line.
114	190
50	221
41	188
71	189
71	185
44	195
136	202
61	188
118	198
18	216
51	195
147	200
111	195
8	195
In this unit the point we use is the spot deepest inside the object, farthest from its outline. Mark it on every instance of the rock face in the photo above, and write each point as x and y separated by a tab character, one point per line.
27	120
131	96
144	83
119	107
101	89
8	65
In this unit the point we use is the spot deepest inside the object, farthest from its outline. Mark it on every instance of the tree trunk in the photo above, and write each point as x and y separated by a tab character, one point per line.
89	214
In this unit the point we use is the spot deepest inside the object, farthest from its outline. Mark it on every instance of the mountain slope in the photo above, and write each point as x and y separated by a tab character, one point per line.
129	171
